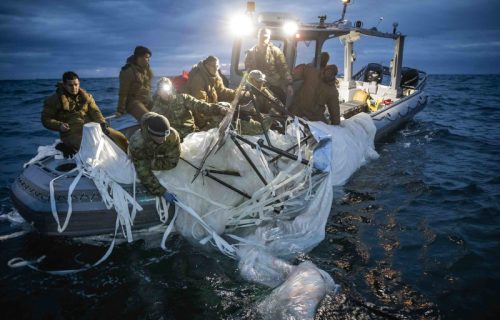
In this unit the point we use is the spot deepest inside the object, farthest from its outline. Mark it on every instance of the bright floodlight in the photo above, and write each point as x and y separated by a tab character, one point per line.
241	25
290	27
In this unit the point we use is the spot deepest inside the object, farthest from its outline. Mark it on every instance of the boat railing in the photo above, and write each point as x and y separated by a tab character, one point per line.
422	79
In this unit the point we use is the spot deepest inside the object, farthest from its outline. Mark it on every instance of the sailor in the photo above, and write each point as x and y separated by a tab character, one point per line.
269	59
69	109
206	84
261	96
182	109
317	91
155	146
134	95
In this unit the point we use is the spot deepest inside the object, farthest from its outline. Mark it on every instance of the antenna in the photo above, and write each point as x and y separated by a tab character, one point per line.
379	21
394	27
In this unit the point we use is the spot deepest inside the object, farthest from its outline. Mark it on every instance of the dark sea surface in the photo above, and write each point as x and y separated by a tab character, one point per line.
413	235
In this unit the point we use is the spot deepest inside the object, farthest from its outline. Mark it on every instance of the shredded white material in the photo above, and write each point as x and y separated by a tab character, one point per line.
285	216
46	151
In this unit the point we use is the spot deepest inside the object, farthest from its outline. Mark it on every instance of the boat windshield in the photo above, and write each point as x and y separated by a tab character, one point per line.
305	52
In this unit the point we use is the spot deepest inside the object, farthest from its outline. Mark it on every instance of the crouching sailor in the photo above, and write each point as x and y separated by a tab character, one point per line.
69	109
156	146
181	109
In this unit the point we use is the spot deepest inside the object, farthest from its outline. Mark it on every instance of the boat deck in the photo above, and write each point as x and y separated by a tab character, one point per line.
351	108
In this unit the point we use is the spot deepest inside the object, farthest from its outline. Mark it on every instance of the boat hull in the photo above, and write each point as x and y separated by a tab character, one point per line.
394	116
30	194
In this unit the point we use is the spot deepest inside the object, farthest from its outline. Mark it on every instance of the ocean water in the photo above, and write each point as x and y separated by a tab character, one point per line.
412	235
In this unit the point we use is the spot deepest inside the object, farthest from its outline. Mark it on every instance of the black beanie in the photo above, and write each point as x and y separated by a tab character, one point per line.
158	126
140	51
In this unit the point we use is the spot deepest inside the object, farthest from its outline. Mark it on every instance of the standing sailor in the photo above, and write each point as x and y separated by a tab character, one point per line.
134	95
155	146
69	109
269	59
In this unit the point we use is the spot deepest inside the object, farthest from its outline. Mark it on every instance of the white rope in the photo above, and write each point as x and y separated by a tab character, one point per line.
53	200
32	264
221	244
44	152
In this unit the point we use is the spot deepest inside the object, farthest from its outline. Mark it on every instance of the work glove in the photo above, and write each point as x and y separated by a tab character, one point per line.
68	151
249	107
104	128
170	197
223	107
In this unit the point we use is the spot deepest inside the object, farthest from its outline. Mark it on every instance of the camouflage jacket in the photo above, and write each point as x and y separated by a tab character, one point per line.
135	84
62	107
181	111
148	155
206	87
271	61
314	95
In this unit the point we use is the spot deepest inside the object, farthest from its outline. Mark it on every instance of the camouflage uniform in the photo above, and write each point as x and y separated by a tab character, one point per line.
63	107
205	87
271	61
313	95
182	110
263	104
147	155
134	95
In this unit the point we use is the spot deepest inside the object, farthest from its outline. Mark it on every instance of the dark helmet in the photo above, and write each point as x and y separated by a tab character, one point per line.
158	125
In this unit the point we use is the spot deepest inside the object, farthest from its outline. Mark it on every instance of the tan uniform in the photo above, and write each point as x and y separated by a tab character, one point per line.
63	107
271	61
205	87
134	95
148	155
314	95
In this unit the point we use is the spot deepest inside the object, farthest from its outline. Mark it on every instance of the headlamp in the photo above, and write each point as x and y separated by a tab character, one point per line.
165	87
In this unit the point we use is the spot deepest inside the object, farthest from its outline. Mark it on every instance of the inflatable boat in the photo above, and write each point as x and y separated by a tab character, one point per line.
389	96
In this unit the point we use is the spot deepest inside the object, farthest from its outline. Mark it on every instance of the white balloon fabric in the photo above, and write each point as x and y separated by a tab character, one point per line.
251	229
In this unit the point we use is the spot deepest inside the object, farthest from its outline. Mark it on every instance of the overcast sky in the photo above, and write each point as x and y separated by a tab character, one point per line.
42	39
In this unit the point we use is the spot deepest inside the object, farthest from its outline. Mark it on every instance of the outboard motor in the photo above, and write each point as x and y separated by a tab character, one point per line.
373	72
409	77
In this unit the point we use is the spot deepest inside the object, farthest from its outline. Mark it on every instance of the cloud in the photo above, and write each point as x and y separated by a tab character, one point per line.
95	37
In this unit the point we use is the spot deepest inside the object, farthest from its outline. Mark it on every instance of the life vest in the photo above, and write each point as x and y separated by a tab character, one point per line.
180	81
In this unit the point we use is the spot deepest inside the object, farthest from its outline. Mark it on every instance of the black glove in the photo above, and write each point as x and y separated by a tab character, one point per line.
104	128
68	151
